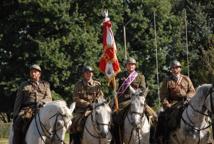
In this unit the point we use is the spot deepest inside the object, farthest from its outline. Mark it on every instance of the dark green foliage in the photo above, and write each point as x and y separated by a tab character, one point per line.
200	29
62	36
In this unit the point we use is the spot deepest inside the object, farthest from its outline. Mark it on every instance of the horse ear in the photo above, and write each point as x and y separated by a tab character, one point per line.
132	90
72	106
146	91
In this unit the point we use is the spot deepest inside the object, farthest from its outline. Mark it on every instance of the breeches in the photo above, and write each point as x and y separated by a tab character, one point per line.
78	123
20	127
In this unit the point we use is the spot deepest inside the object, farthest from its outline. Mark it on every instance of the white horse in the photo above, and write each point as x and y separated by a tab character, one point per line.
136	124
194	125
97	126
49	124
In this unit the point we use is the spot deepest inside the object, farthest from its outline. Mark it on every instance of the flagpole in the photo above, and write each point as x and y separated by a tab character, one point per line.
186	37
124	38
109	64
156	57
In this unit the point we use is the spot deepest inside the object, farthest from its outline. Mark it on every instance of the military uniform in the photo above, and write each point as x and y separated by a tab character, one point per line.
85	93
124	102
30	96
138	83
174	91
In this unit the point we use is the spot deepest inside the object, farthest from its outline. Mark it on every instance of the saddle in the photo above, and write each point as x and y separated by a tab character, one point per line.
27	114
151	114
78	122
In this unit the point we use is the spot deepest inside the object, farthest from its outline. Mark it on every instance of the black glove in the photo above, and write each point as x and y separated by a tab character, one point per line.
90	106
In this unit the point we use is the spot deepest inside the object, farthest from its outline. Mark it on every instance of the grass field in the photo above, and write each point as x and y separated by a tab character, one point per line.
5	140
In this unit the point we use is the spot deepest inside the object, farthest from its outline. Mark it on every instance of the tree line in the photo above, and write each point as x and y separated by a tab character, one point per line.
64	35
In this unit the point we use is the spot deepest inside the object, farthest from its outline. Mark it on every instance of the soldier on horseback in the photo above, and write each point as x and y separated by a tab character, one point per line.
125	79
176	90
86	91
31	95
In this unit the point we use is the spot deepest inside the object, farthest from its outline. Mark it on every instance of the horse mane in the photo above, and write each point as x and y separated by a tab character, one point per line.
202	90
59	102
61	107
194	124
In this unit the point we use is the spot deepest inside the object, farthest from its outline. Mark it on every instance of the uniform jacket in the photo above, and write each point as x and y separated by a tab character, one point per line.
173	90
139	82
31	92
86	92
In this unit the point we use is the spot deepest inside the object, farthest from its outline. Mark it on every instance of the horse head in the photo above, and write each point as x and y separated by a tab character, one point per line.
203	100
195	122
210	101
209	104
60	121
137	106
101	117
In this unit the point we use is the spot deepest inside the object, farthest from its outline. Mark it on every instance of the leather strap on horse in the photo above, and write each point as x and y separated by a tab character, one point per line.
38	128
212	108
43	128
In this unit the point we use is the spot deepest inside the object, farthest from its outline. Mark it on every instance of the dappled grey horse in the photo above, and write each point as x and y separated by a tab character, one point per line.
136	124
49	124
195	121
97	126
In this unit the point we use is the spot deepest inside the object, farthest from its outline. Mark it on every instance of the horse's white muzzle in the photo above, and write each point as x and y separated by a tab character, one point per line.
104	132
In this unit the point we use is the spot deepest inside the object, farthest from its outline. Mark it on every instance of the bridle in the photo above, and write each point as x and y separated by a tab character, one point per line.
96	124
135	127
210	113
45	131
136	113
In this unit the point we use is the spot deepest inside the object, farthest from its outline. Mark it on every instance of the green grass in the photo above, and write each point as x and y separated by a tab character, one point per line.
3	141
4	130
67	137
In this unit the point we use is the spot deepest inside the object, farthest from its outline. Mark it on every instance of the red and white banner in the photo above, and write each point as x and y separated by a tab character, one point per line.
108	63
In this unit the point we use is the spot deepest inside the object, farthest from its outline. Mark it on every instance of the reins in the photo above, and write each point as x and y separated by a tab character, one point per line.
135	127
142	118
96	123
212	110
207	115
44	129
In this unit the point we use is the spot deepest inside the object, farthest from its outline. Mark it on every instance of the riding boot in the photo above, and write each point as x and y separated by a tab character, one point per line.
18	136
75	138
152	135
166	135
116	135
160	128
